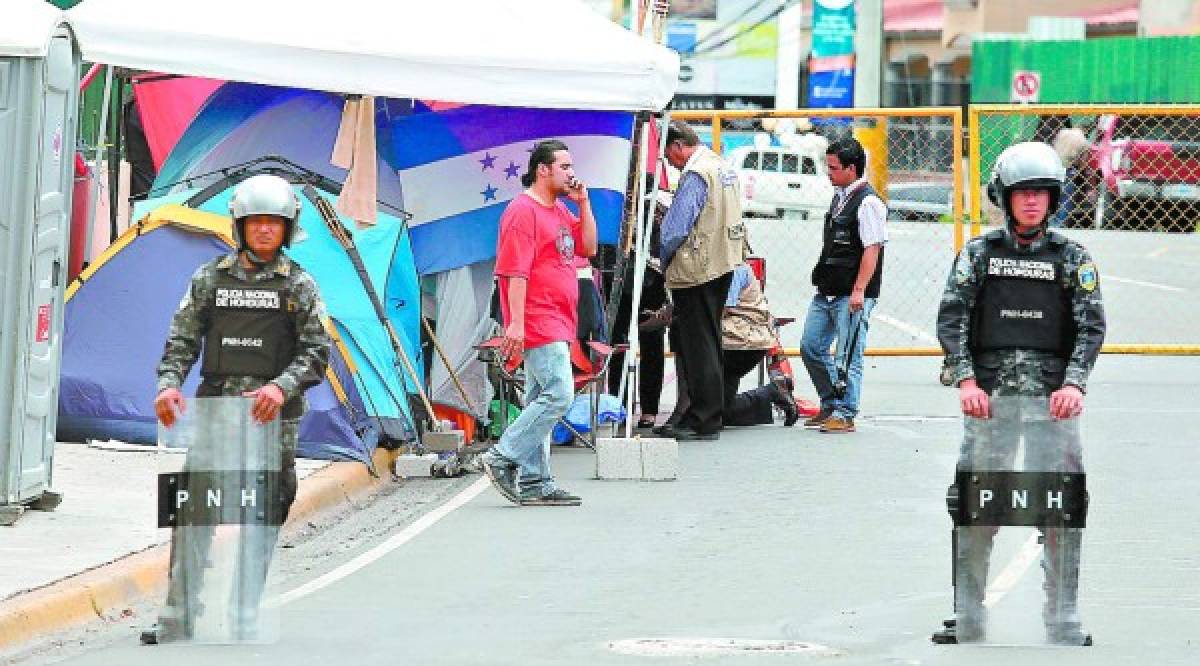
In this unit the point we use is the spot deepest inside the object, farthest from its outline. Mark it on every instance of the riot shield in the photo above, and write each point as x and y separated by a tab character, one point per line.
1021	495
221	501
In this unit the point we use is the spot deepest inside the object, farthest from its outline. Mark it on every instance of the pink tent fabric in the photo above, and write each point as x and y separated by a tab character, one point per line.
167	106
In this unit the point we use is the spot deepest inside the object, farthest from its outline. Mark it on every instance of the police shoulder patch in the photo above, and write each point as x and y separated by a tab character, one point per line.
962	270
1088	277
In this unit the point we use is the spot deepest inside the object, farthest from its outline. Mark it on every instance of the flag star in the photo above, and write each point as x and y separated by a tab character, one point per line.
512	170
489	194
488	161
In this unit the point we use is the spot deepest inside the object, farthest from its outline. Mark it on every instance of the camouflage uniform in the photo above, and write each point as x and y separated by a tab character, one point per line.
1022	379
1022	371
312	342
306	369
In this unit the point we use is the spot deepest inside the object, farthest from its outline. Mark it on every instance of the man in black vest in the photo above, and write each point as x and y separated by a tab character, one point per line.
847	277
259	317
1022	321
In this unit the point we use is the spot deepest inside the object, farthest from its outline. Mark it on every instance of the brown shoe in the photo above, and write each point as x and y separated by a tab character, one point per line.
817	419
837	424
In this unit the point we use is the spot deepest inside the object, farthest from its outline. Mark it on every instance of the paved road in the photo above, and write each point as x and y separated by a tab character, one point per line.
773	534
1149	280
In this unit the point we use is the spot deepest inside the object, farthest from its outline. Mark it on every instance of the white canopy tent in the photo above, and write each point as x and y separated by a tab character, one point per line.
26	27
528	53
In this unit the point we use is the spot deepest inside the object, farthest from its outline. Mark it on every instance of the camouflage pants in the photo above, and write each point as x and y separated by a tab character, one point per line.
1019	424
191	549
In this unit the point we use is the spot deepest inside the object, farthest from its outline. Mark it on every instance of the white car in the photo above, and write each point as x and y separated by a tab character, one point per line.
783	180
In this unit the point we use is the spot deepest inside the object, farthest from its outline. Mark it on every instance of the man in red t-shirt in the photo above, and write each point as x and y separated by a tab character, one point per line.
535	266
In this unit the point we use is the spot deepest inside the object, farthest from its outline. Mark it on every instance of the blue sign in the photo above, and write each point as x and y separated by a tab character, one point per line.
833	28
681	36
831	90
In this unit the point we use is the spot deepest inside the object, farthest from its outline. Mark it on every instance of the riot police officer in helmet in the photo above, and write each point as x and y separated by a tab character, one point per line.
258	317
1022	318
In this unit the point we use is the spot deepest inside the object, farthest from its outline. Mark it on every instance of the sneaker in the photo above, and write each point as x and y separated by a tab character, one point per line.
556	497
819	418
784	401
502	474
837	424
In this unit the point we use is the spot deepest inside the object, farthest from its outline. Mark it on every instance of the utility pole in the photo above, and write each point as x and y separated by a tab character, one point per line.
868	53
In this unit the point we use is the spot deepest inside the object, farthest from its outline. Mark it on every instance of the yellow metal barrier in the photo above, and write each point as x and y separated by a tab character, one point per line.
1132	198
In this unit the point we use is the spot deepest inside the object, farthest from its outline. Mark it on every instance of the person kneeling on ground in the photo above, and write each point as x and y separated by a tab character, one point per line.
747	333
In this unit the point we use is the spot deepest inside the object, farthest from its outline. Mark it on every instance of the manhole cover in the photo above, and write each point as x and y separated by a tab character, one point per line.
689	647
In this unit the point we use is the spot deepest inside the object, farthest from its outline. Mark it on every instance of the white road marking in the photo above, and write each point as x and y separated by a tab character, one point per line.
1157	253
399	539
1141	283
905	327
1007	579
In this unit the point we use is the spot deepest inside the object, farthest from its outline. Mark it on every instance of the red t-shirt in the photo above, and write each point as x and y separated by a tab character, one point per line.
540	243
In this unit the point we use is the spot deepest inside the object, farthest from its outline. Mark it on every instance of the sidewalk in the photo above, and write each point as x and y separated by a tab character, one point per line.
99	551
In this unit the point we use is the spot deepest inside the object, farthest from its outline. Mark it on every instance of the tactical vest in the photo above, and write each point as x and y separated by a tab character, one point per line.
1022	302
250	332
842	250
717	242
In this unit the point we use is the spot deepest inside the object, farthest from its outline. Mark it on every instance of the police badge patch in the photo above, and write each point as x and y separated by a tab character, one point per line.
1088	277
962	270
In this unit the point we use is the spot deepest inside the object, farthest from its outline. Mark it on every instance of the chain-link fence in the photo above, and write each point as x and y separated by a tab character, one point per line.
913	161
1132	197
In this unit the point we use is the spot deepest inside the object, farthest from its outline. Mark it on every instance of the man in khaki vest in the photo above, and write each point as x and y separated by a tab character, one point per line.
703	240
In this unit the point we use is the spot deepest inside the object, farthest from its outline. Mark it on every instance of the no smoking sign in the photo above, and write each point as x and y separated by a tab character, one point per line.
1026	87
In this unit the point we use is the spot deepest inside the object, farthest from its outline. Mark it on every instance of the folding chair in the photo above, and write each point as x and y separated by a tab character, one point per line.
589	368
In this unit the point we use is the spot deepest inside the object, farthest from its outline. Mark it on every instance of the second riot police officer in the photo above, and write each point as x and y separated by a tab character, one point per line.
1021	322
258	317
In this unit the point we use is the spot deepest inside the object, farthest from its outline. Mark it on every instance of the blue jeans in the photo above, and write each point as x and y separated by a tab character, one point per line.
549	389
829	319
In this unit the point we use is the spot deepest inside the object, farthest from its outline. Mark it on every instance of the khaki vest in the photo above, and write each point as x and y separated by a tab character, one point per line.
717	242
747	325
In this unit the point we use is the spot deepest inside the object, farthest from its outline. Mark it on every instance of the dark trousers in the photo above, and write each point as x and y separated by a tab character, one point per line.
697	318
653	352
751	407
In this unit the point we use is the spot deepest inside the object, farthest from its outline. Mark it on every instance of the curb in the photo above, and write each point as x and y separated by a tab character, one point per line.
106	592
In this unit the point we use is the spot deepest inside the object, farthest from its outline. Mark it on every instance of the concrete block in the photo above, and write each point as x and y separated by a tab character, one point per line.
409	465
660	459
618	458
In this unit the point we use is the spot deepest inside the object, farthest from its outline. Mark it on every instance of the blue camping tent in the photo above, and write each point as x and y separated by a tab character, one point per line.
118	312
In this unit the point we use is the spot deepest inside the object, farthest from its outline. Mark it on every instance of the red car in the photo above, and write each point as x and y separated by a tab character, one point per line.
1143	173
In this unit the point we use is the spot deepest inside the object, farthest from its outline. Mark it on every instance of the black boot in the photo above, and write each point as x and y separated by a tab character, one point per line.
784	401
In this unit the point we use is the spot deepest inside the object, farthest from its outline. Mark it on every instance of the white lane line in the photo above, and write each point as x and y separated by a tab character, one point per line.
1004	583
1140	283
399	539
906	327
1157	253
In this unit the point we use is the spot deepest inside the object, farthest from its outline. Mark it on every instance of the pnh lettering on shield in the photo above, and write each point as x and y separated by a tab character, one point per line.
1030	269
1020	499
256	299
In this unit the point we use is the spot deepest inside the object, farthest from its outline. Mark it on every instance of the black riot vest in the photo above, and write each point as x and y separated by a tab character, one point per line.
1022	302
842	250
250	332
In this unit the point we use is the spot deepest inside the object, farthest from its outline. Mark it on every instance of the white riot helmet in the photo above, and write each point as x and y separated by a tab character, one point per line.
1031	165
264	194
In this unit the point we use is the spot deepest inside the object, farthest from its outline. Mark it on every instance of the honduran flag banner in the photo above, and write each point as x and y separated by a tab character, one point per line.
461	167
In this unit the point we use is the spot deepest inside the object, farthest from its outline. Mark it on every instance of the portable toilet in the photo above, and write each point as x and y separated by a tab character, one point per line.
39	75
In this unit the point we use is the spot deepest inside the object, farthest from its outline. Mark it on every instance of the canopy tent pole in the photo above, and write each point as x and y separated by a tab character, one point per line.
645	220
